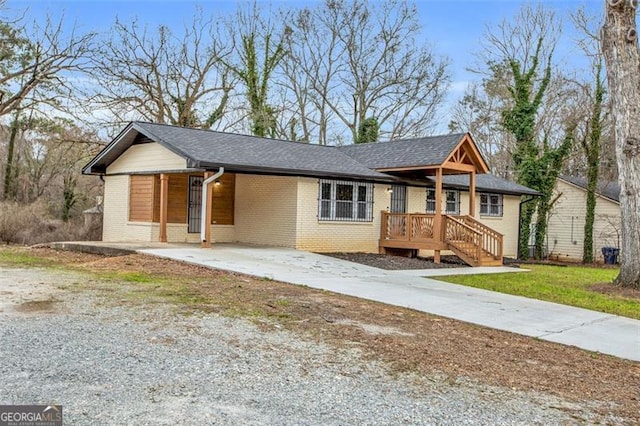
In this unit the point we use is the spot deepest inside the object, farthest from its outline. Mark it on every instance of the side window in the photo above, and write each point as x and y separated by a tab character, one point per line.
491	205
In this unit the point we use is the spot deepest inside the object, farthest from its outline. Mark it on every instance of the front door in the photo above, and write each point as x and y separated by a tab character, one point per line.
194	218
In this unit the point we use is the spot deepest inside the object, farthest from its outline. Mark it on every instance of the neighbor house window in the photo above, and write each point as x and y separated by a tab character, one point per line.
345	200
491	205
453	201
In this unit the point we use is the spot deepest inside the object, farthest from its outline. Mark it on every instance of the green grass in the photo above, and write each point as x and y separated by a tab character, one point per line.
568	285
15	258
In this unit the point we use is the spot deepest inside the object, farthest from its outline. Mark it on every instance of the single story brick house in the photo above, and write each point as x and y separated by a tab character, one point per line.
565	234
161	181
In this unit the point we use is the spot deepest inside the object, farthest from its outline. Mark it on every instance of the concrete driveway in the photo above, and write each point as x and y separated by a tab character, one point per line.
595	331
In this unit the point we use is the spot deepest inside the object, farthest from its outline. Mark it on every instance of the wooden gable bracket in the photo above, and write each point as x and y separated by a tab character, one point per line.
466	158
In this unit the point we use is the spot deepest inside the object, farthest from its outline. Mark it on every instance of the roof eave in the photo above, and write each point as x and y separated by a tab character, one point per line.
239	168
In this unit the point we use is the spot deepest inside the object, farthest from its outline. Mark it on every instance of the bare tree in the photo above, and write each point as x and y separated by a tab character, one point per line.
38	57
622	58
479	111
36	68
361	61
309	73
590	123
156	76
258	49
537	110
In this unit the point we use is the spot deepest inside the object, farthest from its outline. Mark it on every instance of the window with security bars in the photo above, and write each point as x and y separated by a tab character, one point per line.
451	196
345	201
491	205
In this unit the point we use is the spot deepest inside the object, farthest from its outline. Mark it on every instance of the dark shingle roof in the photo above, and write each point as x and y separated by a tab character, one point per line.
486	183
210	149
404	153
607	189
207	149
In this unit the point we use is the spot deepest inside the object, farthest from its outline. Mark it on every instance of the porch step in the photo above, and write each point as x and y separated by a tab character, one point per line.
486	258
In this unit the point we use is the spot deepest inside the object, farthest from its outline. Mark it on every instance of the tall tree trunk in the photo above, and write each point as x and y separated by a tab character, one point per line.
591	147
528	210
9	178
622	58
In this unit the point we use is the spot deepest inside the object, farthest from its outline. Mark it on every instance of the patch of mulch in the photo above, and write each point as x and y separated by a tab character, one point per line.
616	290
413	341
394	263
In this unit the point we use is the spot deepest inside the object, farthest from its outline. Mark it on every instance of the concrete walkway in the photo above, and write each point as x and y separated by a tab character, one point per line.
595	331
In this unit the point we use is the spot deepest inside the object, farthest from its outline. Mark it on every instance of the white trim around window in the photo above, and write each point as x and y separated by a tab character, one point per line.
491	205
348	201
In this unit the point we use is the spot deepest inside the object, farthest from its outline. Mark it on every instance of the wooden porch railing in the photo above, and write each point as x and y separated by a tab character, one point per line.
492	240
407	227
472	241
464	239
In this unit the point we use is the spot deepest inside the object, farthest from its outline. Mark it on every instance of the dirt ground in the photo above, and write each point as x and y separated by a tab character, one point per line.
399	262
405	339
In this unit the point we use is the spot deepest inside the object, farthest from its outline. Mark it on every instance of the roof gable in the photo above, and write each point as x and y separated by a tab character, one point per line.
466	154
606	189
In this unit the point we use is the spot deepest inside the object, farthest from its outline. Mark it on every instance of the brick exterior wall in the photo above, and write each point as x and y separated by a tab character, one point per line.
266	209
330	236
116	207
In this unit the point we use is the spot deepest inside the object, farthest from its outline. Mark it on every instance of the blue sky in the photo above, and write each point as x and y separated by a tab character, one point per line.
453	27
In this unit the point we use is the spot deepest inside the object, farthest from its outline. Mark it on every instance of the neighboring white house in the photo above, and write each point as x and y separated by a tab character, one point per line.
565	236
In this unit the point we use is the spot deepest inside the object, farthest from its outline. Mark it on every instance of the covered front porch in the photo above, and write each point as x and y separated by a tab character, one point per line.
471	240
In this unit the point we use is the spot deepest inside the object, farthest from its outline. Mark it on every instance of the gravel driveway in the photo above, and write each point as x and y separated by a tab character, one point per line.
116	364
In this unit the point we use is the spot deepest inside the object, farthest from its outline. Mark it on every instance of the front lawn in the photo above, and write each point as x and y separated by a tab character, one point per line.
568	285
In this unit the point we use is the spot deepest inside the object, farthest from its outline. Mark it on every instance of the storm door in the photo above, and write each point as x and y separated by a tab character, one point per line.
195	204
398	199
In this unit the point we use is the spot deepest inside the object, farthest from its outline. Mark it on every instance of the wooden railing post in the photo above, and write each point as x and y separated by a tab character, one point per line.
164	196
383	231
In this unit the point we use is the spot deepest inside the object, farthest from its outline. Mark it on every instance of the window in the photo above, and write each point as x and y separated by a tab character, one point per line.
453	201
491	205
431	201
344	200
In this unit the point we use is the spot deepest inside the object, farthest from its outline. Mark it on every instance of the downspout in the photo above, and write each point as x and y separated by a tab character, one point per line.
520	222
203	212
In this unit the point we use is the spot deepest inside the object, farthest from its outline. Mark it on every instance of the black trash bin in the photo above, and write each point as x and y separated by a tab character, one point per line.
610	255
615	253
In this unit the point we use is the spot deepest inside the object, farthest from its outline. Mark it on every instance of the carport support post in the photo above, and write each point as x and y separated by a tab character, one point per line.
164	195
437	229
207	219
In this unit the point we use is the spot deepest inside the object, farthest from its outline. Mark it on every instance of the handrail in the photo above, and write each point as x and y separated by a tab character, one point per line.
492	240
461	237
458	221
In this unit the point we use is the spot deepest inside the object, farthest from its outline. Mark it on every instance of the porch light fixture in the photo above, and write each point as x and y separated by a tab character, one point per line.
217	183
390	190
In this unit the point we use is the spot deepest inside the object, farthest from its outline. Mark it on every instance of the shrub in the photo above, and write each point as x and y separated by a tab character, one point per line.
33	224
